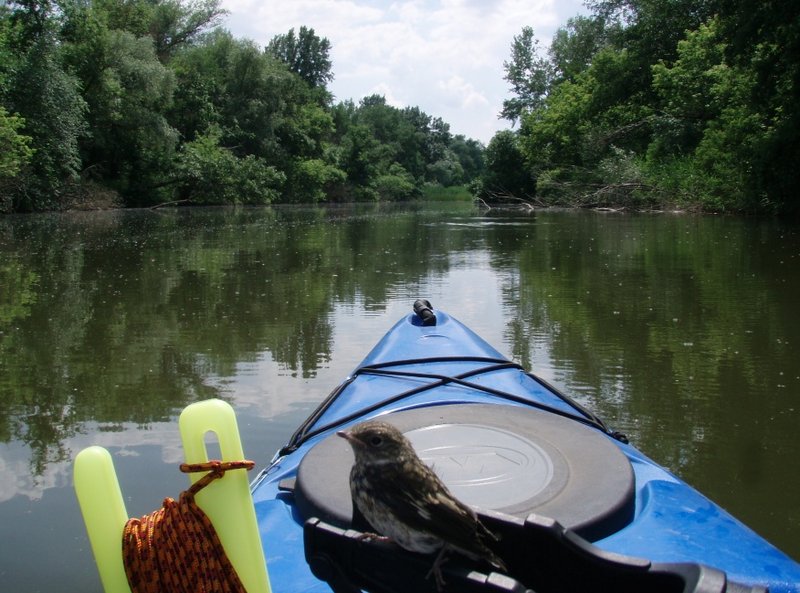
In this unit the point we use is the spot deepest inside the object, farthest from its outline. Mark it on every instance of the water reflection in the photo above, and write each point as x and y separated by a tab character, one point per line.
680	331
122	317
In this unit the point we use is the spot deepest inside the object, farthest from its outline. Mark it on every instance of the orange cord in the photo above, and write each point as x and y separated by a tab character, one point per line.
176	548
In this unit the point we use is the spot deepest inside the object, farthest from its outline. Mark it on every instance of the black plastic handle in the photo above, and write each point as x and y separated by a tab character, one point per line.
541	556
424	310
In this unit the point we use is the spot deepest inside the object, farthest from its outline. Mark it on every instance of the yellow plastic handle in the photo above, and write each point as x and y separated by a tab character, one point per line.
227	501
104	513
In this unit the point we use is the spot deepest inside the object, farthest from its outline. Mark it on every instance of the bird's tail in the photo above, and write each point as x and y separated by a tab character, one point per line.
486	535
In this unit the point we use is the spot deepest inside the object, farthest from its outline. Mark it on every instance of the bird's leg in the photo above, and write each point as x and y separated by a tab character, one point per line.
436	569
373	537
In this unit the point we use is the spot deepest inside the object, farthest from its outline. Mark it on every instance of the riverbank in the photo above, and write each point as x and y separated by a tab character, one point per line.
614	198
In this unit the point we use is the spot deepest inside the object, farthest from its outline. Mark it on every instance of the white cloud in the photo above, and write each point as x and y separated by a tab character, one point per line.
385	89
444	56
15	460
461	93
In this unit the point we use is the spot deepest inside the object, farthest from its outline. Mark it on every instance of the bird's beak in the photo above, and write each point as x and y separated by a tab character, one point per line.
347	436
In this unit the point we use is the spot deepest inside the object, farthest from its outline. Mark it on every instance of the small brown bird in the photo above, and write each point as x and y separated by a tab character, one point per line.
403	499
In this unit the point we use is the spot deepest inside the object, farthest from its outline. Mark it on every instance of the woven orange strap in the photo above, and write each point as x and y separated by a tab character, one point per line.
176	548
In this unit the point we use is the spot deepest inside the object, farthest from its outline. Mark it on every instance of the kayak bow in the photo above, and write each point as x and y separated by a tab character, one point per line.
578	507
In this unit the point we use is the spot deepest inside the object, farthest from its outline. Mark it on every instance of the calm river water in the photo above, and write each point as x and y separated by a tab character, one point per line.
681	331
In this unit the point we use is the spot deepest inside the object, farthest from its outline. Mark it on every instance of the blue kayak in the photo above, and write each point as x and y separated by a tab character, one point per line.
576	507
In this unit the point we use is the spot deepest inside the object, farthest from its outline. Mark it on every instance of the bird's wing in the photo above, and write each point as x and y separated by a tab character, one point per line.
424	503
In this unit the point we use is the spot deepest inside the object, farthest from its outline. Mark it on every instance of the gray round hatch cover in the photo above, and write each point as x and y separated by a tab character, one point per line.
504	458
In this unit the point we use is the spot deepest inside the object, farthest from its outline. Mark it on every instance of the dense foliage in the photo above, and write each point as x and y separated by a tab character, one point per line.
640	103
141	102
651	102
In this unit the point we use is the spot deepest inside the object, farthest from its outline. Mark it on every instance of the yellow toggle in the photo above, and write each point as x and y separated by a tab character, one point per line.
226	501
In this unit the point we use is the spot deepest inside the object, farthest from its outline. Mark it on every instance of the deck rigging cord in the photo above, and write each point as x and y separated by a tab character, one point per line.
176	549
308	430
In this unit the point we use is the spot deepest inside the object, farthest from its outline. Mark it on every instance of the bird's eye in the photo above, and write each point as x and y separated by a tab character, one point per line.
376	441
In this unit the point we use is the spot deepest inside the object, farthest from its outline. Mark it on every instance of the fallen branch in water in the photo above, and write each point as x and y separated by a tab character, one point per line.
501	197
171	203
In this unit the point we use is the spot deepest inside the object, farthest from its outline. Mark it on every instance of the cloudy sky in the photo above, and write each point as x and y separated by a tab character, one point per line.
444	56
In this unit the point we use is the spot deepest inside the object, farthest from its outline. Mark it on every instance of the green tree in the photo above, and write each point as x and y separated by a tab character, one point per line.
257	92
177	23
764	39
554	136
638	34
15	150
420	139
507	173
384	149
312	180
116	49
7	54
528	74
134	98
311	163
447	171
358	155
574	45
306	54
209	173
602	112
258	108
134	16
710	137
396	184
47	98
199	88
230	83
171	24
378	137
306	129
469	153
691	90
618	114
650	29
131	143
